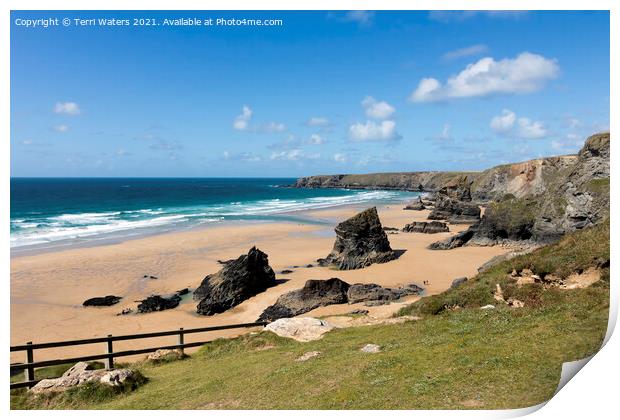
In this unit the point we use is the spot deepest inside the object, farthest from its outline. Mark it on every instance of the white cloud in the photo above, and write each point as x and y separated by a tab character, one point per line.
273	127
363	17
241	121
379	110
503	123
447	16
383	131
243	156
316	139
61	128
294	155
69	108
318	122
340	157
531	129
466	52
508	124
525	73
27	142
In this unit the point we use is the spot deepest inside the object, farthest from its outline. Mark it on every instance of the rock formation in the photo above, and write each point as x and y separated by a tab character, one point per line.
360	242
415	205
300	329
82	372
157	303
426	227
237	281
315	293
102	301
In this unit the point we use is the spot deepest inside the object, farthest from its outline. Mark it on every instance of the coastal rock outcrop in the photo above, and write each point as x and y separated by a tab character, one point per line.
314	294
426	227
82	372
370	292
108	300
360	242
157	303
415	205
449	208
237	281
317	293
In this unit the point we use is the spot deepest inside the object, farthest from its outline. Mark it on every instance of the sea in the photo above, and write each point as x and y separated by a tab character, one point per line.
50	213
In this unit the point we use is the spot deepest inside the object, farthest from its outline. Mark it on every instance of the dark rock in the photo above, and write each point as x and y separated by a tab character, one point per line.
426	227
286	271
360	242
102	301
237	281
158	303
416	205
224	262
183	292
455	241
447	207
376	303
458	281
359	312
309	265
125	311
458	189
314	294
153	277
368	292
390	229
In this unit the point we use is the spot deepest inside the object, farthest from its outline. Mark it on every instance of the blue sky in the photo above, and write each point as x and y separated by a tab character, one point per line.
326	92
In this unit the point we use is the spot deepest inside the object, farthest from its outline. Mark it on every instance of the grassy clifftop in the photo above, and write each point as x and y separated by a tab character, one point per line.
461	359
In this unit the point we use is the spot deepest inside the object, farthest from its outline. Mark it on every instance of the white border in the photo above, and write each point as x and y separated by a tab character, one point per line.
592	394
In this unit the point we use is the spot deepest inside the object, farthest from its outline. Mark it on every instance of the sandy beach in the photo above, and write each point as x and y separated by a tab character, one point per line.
47	290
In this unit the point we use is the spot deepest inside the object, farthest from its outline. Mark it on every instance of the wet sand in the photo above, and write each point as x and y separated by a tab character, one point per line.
47	290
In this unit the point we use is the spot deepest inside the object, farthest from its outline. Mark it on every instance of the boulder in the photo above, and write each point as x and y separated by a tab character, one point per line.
183	291
455	241
314	294
300	329
360	242
82	372
426	227
415	205
237	281
457	282
371	348
308	355
157	303
102	301
371	292
165	355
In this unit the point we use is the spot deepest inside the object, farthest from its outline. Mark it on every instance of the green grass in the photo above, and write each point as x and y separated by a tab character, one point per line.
450	359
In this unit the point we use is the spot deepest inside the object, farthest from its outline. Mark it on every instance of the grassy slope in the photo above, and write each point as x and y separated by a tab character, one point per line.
469	358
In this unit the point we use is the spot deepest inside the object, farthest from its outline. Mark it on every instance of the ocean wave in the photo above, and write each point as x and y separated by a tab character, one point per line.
73	226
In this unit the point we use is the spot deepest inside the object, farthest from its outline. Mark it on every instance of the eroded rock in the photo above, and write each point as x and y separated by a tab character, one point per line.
237	281
299	329
360	242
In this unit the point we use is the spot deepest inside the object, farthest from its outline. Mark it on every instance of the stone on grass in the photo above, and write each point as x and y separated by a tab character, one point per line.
299	329
308	355
371	348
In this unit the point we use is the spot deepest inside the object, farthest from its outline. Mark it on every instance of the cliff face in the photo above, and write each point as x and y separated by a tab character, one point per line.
407	181
566	194
523	179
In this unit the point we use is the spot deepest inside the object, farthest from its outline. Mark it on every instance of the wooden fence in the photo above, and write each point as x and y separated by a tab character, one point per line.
108	357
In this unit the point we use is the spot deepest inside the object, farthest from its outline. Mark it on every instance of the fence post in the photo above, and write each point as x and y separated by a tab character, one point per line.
109	363
29	359
181	340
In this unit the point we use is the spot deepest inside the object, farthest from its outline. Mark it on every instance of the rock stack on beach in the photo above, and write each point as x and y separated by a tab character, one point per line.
239	280
360	242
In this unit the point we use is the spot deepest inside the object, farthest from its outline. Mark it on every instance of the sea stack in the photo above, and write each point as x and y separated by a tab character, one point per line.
239	280
360	242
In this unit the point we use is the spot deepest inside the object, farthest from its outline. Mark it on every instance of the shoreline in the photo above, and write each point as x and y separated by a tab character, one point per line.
47	289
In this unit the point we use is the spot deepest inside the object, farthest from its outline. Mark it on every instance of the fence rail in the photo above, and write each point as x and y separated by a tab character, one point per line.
108	357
